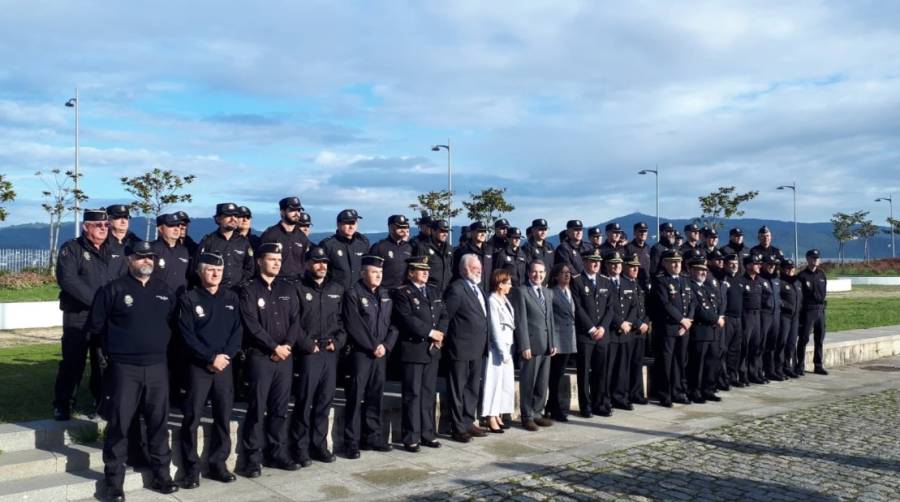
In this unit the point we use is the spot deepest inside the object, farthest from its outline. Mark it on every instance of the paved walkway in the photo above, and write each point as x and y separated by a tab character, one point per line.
828	438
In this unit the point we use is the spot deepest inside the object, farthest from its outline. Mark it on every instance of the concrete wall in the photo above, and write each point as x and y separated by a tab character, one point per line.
872	281
30	315
839	285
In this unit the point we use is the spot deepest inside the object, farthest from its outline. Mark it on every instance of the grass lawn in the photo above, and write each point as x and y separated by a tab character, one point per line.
863	307
28	374
46	292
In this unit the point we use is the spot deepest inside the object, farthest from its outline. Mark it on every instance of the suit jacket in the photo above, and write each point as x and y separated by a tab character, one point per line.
503	325
591	307
623	308
564	319
415	316
535	328
468	325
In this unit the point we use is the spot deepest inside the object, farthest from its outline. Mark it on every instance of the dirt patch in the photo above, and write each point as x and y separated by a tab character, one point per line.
30	336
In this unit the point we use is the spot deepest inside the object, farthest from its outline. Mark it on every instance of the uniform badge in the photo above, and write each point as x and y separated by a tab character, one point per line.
199	310
340	252
250	252
671	288
87	256
587	289
766	285
508	258
430	251
787	286
64	252
808	285
415	300
390	254
308	297
364	301
747	286
129	301
261	302
162	263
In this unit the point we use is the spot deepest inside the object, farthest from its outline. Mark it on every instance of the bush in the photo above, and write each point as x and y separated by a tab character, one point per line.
25	280
883	267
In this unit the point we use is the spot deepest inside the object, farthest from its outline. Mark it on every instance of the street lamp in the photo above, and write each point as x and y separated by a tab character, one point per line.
437	148
655	173
73	103
890	200
796	240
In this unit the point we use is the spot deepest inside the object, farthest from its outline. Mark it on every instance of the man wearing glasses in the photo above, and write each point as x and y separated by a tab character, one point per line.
294	242
233	247
119	234
84	265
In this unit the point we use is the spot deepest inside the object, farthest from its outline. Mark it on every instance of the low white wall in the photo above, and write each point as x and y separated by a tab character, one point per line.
839	285
873	281
30	315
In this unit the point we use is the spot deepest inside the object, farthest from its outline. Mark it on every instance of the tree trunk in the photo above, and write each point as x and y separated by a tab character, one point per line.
147	234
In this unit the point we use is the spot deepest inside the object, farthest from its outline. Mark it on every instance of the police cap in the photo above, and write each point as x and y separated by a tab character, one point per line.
348	216
666	227
514	233
268	247
95	215
735	231
418	262
398	220
168	219
698	263
290	203
770	260
632	260
592	254
227	209
424	220
715	254
732	257
671	255
574	225
214	259
372	260
440	225
117	211
753	259
613	257
140	248
711	232
787	264
501	223
691	227
244	212
613	227
305	220
317	253
763	230
594	231
477	226
813	253
539	224
182	217
640	227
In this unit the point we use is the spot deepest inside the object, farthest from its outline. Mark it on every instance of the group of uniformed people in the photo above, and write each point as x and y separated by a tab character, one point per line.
271	318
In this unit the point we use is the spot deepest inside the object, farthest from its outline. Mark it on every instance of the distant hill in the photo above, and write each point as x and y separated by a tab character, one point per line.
818	235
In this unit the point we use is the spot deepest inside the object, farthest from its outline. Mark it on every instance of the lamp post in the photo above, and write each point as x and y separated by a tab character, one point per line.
437	148
73	103
793	188
890	200
655	173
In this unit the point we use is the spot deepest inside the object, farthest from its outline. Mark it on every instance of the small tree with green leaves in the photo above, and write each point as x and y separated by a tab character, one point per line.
156	190
437	205
483	206
722	204
7	194
843	228
59	199
865	230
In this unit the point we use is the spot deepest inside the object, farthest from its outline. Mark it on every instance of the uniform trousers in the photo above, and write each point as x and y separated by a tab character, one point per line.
127	389
790	326
636	391
671	359
811	320
419	389
619	370
703	366
749	341
75	350
315	379
773	357
201	384
766	322
733	346
269	394
593	381
363	414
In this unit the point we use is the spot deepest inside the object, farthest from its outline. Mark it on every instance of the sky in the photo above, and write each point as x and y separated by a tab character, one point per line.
559	102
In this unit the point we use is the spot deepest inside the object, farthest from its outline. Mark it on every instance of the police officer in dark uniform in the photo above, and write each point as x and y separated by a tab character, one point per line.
209	322
132	316
595	237
571	246
674	300
228	243
665	243
440	255
477	246
394	250
732	344
736	246
613	238
770	317
316	359
120	236
622	329
791	305
345	249
640	329
173	258
812	318
512	257
421	319
703	356
367	313
710	238
84	265
245	226
271	315
305	224
750	320
765	247
294	243
424	224
184	222
593	315
692	231
501	229
537	247
639	247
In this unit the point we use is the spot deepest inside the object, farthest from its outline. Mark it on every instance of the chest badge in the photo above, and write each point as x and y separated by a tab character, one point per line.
364	301
808	284
340	252
430	251
261	303
390	254
415	301
129	301
748	287
199	310
250	251
308	297
587	289
87	256
162	263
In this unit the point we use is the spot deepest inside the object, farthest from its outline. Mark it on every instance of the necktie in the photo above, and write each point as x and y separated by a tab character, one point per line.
540	294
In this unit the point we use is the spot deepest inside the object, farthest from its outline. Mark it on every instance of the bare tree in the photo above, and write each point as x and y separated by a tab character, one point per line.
59	200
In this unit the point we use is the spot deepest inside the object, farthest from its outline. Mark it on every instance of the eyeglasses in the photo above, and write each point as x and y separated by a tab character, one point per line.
97	225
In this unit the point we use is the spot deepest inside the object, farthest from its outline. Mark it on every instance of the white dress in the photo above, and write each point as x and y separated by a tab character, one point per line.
499	376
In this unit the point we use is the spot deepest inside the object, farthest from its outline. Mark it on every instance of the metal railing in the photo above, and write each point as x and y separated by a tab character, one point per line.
16	260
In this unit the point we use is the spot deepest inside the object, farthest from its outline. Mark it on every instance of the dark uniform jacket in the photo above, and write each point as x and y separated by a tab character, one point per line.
543	252
119	247
592	307
468	324
82	269
813	286
236	252
721	290
514	261
271	316
791	297
395	254
321	316
643	254
210	324
741	250
753	290
367	318
767	251
570	253
345	257
675	298
440	257
133	320
415	315
640	303
706	312
622	302
485	255
171	265
294	246
734	294
656	252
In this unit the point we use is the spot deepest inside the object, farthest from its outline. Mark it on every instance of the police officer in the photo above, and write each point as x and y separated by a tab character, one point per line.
703	357
512	257
765	247
477	246
316	359
84	265
622	329
501	229
674	300
812	318
770	317
692	231
710	242
736	246
571	246
732	344
421	319
132	316
593	315
791	305
440	255
294	243
614	240
750	319
184	222
537	247
209	321
345	249
666	242
639	247
640	329
271	315
595	237
119	235
245	226
367	312
230	244
424	224
394	250
173	257
305	223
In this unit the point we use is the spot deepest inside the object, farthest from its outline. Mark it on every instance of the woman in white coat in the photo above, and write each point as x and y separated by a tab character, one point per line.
499	378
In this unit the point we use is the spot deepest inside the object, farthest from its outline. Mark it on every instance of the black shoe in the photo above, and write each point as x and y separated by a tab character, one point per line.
284	464
621	406
681	399
62	414
778	378
559	417
712	397
221	474
507	419
756	381
723	388
461	437
790	374
164	485
586	414
191	481
351	453
505	424
820	371
697	398
412	448
603	412
666	404
431	443
799	372
377	447
252	471
304	461
115	494
323	456
639	400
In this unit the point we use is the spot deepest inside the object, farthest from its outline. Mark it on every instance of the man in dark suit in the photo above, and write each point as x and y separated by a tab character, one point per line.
466	342
624	319
674	317
536	340
593	315
421	319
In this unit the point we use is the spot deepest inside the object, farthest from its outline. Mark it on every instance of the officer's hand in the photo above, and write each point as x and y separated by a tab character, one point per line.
686	323
221	362
436	335
552	351
526	354
721	322
626	327
379	351
644	328
315	349
283	352
681	331
330	346
598	333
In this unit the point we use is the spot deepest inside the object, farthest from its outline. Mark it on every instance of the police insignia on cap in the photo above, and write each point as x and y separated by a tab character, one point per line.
87	256
129	301
364	301
340	252
199	310
162	263
308	297
261	302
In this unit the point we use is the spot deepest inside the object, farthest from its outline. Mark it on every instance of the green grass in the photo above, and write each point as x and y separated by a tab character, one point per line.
46	292
28	374
857	313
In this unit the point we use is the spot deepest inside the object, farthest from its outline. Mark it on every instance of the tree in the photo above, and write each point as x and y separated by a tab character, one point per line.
865	230
843	228
723	203
155	190
59	199
482	206
437	205
7	194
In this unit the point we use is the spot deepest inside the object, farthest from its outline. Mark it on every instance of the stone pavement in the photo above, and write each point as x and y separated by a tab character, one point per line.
825	438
